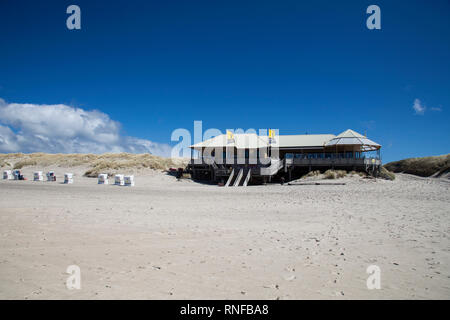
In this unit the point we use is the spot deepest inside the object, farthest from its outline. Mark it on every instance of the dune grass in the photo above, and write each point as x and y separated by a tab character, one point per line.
386	174
337	174
424	167
4	164
334	174
101	163
359	173
314	173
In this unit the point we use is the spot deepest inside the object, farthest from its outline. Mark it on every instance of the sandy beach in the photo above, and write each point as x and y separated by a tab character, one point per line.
169	239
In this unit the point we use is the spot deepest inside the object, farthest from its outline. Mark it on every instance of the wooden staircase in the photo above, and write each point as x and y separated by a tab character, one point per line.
237	180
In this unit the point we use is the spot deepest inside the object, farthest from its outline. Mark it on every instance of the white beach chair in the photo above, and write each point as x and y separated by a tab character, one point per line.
51	176
7	175
129	181
38	176
103	178
68	178
16	174
119	180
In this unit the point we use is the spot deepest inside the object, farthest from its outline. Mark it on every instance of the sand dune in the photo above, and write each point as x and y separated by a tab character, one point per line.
164	239
93	164
438	166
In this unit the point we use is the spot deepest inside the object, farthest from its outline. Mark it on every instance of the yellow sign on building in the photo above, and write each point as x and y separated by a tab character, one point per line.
230	135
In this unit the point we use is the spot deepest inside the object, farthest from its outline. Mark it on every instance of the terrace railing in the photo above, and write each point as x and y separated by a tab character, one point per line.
229	161
332	161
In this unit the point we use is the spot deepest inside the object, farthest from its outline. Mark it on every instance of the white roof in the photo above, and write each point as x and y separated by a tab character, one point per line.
304	140
349	133
253	141
240	141
350	137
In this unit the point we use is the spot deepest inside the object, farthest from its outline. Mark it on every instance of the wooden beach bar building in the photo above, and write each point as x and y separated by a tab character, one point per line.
239	159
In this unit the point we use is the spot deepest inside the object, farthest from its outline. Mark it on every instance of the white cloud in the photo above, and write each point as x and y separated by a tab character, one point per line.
64	129
418	107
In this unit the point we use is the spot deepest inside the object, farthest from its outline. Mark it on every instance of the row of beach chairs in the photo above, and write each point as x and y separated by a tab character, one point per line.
37	176
119	179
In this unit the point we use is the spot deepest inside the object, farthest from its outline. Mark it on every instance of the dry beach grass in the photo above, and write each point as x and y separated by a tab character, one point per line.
110	163
424	167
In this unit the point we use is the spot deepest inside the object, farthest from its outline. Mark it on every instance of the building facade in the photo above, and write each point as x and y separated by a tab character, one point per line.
239	159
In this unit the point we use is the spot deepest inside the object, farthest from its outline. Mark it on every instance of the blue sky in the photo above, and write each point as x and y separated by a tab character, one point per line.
154	66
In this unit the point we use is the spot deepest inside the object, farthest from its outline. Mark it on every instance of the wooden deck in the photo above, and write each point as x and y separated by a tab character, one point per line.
213	170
